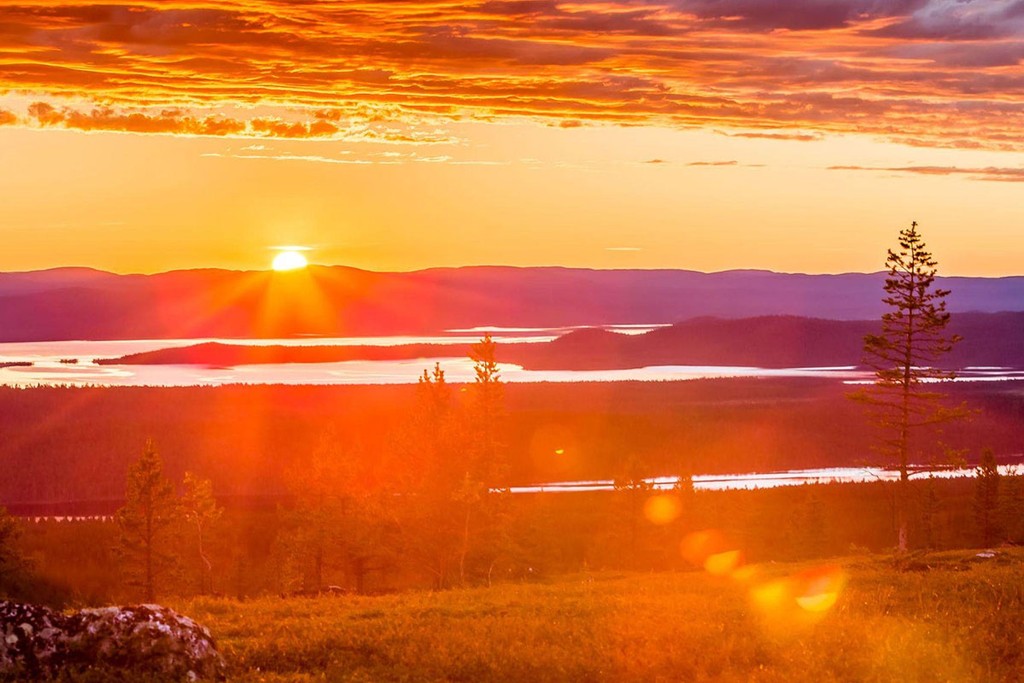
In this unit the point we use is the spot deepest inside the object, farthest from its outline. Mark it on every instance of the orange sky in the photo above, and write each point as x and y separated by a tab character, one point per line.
702	134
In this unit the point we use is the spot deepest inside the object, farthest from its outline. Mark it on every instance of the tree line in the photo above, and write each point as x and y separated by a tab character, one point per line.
435	501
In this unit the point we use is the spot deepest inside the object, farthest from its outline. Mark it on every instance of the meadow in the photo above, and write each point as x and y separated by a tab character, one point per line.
946	617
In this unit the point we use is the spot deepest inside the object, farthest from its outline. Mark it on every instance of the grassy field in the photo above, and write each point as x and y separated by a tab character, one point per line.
950	617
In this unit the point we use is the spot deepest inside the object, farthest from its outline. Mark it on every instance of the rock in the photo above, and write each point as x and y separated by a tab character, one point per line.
37	641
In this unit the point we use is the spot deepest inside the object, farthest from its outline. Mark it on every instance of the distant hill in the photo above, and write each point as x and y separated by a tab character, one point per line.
993	339
77	303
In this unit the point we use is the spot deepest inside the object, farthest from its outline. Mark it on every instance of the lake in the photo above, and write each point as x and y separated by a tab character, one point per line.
763	480
46	368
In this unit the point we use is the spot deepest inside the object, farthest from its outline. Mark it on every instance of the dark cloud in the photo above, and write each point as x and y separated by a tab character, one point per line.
794	15
959	20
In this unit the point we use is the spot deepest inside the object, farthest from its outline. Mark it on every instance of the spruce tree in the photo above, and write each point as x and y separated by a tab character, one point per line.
1012	507
905	358
145	522
930	504
200	511
11	560
986	499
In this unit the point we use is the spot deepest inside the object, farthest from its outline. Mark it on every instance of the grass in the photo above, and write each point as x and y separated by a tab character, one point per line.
952	618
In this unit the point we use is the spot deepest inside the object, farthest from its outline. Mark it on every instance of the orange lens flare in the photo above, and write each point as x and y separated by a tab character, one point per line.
723	564
819	588
697	547
808	594
662	509
771	596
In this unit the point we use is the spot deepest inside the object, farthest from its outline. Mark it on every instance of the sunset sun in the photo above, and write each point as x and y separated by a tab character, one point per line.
289	260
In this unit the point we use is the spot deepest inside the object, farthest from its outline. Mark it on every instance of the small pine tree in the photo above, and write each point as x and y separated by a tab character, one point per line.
929	515
1012	508
486	467
11	560
200	512
145	522
319	487
986	499
632	489
486	412
434	396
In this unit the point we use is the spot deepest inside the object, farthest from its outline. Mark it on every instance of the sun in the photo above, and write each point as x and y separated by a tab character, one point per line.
289	260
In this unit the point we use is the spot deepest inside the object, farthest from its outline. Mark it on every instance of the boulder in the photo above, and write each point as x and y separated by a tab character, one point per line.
37	641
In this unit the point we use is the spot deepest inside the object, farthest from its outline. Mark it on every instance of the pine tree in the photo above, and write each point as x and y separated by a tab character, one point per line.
318	485
632	489
1012	507
986	499
904	358
11	560
486	467
200	511
486	411
929	515
145	522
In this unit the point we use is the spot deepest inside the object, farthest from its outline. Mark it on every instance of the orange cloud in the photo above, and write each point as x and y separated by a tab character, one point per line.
990	173
930	72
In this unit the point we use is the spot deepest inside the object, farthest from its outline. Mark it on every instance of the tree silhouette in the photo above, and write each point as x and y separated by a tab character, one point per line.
930	505
145	521
486	411
905	356
319	486
11	560
200	511
986	498
486	467
1012	507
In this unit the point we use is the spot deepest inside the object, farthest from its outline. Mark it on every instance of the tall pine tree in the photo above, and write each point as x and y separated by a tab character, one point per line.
905	358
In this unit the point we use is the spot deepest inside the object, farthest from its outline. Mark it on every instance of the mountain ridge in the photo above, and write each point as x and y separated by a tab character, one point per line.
73	303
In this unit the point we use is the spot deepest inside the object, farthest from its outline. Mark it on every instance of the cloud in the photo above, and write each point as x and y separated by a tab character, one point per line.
167	121
799	137
969	20
923	71
180	122
8	118
987	173
713	163
794	15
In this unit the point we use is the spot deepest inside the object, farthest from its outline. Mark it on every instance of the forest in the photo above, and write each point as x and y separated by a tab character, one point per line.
300	490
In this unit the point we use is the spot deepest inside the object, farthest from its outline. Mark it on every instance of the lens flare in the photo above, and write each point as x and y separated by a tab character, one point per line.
818	589
697	547
724	563
662	509
771	596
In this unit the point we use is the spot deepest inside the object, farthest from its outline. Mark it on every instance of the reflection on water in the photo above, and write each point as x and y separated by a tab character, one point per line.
362	372
766	480
46	368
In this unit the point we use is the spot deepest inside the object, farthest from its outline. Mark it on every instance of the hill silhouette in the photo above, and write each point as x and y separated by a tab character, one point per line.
989	339
75	303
